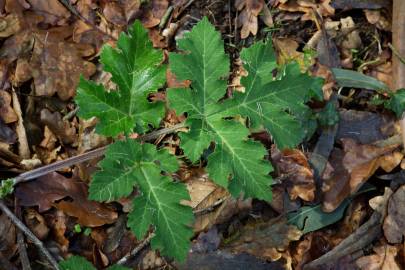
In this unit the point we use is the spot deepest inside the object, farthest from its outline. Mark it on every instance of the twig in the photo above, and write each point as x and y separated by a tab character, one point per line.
29	234
363	236
135	251
25	262
86	156
165	17
396	53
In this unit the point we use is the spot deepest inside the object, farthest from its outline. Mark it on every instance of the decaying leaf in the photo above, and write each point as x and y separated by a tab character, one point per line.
153	14
308	7
394	223
9	25
212	204
352	167
36	223
57	66
61	128
53	10
47	189
299	176
266	240
383	259
6	111
248	17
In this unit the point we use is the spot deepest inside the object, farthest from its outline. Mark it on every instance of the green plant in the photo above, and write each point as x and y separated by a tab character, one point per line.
218	128
77	262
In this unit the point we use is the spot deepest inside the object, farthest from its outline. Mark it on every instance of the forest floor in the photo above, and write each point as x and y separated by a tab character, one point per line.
338	200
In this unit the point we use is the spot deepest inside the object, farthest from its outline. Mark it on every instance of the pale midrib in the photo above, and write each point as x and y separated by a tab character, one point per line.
230	148
151	189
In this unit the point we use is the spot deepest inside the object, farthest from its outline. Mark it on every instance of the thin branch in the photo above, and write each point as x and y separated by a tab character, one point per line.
86	156
25	262
135	251
29	234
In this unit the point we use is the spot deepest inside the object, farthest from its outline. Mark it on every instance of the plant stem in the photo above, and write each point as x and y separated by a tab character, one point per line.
29	234
135	251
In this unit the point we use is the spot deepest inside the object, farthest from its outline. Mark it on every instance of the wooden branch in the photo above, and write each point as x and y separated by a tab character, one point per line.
87	156
29	234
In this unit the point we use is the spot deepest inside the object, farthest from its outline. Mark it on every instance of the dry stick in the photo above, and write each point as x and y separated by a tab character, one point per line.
29	234
25	262
86	156
135	251
398	40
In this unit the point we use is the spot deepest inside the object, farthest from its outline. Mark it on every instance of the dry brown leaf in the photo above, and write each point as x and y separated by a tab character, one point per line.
377	18
36	223
394	223
308	7
114	13
383	259
287	51
7	113
9	25
352	167
23	71
57	66
266	240
154	13
61	128
52	187
248	17
211	203
52	10
299	180
58	225
172	81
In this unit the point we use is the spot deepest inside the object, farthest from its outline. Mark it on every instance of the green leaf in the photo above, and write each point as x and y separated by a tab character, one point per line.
136	70
312	218
397	102
80	263
237	162
204	62
75	263
350	78
140	165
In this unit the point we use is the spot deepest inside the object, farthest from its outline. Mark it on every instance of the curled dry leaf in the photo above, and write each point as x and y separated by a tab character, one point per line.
299	180
61	128
52	187
394	223
36	223
266	240
383	259
6	111
352	168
